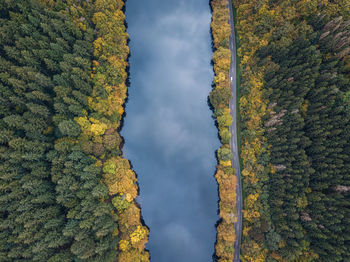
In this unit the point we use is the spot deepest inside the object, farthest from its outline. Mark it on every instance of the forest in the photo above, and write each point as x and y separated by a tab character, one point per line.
66	193
294	104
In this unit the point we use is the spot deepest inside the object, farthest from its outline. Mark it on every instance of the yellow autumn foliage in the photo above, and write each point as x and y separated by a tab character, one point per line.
109	73
252	109
225	233
225	163
221	77
98	129
123	181
124	245
133	255
100	122
129	218
224	250
139	234
221	31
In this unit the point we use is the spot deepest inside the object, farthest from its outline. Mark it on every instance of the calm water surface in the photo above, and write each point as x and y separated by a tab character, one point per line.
169	134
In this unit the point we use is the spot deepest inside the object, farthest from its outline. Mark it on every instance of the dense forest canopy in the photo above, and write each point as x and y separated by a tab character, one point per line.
66	192
295	58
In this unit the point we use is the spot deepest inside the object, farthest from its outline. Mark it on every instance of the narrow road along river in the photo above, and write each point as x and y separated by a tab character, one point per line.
170	136
233	141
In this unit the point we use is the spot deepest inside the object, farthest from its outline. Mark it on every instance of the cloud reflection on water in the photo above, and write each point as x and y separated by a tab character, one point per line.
169	134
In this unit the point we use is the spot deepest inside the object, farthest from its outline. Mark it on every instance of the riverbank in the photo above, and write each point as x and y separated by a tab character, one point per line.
220	99
118	175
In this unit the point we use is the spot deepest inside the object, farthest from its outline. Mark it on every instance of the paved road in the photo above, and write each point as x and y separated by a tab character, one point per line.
233	141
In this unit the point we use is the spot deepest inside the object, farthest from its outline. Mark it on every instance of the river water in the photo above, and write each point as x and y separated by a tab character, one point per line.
170	137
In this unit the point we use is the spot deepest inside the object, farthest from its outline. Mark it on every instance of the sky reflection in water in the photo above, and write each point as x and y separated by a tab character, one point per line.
169	134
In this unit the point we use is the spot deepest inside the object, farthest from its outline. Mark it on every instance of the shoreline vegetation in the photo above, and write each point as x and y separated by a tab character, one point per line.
65	65
219	99
111	51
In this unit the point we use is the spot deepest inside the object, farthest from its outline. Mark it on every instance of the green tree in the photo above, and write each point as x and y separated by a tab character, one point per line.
225	154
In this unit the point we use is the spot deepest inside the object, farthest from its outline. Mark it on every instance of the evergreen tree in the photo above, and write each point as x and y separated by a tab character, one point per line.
31	219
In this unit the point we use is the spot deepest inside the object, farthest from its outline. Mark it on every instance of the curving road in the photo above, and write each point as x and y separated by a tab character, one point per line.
233	141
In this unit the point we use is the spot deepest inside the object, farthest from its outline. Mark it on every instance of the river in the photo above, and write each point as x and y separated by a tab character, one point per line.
170	136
